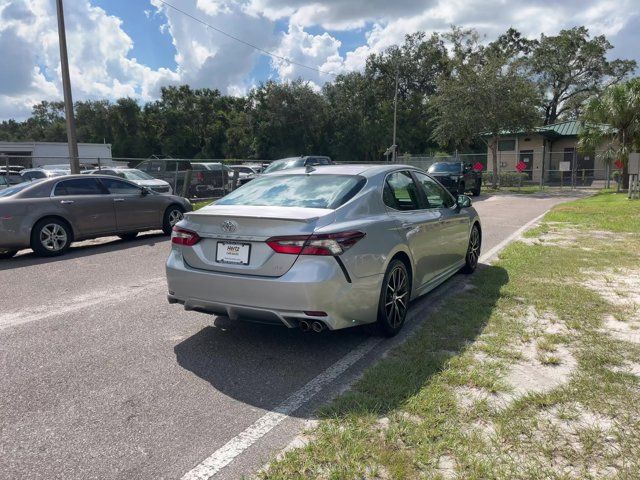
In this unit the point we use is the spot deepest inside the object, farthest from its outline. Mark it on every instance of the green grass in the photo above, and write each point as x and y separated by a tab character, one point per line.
436	400
199	205
605	211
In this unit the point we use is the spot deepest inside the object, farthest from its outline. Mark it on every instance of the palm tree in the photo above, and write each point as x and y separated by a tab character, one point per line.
611	125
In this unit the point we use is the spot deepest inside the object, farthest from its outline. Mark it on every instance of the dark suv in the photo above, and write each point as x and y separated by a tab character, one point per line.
457	177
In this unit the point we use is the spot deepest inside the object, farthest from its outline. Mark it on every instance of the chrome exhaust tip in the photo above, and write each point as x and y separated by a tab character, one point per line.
304	326
317	326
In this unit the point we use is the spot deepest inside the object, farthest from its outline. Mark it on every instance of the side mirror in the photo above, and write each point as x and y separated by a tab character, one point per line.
144	191
463	201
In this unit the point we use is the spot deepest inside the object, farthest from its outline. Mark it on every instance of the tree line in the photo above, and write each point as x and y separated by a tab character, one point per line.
455	91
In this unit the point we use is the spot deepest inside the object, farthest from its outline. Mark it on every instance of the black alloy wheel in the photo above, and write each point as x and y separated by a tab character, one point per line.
473	251
394	299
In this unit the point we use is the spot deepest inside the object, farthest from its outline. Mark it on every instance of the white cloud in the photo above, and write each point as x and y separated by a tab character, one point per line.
319	51
98	51
102	64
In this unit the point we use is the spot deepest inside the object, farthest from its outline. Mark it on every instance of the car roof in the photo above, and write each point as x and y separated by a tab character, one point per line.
347	169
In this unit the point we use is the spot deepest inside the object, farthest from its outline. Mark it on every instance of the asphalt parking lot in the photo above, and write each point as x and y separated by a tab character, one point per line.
101	378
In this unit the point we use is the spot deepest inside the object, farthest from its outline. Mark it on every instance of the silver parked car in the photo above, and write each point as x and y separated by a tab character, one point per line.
324	247
49	214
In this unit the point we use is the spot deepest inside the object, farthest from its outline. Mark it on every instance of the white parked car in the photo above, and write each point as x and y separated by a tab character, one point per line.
138	177
246	173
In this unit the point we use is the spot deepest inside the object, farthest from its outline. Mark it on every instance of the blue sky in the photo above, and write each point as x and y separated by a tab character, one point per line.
150	46
120	48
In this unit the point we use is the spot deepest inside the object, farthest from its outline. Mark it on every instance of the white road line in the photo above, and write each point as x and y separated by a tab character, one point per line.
234	447
238	444
78	302
487	257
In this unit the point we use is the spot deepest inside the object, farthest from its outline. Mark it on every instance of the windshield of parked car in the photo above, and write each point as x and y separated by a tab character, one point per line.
12	178
284	164
445	167
136	175
7	192
309	191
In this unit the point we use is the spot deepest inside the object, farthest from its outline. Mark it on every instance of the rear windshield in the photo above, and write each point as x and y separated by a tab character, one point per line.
309	191
445	167
136	175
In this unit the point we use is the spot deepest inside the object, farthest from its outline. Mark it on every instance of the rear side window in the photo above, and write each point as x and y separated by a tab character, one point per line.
151	167
79	186
118	187
400	192
309	191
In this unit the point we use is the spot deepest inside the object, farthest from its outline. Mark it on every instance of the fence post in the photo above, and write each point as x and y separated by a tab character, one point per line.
99	165
187	181
574	167
175	180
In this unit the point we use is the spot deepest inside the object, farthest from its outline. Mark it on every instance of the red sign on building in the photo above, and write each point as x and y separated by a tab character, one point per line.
521	166
619	164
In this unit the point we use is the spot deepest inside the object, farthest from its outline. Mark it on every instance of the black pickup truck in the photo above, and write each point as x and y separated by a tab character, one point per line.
457	177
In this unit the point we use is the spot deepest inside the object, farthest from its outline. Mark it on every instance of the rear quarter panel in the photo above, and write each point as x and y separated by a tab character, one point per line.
367	213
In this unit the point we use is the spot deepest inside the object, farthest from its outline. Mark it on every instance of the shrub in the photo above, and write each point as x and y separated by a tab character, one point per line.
506	179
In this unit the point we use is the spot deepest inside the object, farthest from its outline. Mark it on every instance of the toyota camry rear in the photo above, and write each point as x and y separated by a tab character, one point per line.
315	248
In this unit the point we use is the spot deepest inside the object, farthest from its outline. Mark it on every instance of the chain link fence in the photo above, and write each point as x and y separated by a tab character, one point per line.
561	169
212	178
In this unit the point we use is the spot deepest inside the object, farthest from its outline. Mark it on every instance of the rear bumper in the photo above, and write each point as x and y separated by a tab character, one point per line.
312	284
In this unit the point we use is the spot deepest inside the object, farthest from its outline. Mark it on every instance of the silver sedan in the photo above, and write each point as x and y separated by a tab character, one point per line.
47	215
323	247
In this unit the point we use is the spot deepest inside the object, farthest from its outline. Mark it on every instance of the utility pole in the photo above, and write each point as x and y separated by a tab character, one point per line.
74	161
395	119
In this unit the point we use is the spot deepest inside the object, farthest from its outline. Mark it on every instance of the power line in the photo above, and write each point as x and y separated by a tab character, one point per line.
237	39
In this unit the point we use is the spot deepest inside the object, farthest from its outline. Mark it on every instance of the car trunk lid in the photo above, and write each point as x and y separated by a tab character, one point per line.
233	237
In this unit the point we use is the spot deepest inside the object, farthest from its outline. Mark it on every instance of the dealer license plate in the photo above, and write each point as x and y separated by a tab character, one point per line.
237	253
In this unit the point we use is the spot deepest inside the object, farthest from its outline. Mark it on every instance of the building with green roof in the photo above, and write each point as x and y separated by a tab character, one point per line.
545	150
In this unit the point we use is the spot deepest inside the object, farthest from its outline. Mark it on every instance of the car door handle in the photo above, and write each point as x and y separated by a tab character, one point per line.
66	202
118	199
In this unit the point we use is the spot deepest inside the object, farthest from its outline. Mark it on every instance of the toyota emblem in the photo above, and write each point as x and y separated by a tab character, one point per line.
229	226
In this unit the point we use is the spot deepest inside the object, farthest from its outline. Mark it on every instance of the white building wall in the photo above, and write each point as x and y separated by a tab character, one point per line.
52	153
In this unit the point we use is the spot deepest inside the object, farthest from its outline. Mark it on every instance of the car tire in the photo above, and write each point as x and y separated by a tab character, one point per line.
7	254
51	237
476	191
393	307
128	235
172	215
473	250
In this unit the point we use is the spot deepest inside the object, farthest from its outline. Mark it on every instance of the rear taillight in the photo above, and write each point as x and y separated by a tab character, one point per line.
181	236
321	244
